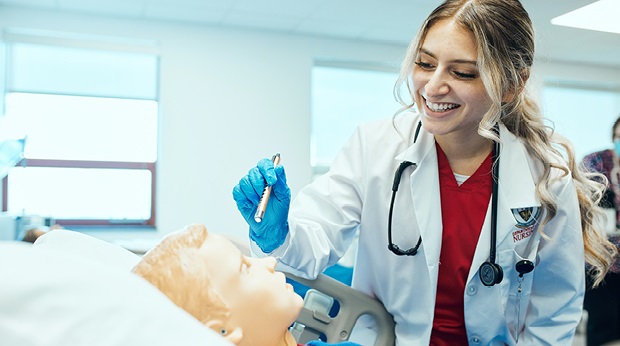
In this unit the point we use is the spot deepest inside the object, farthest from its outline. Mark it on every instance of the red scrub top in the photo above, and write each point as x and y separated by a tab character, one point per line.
463	209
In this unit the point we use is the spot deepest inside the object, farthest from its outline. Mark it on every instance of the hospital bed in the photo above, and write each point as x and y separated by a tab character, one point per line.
315	320
73	289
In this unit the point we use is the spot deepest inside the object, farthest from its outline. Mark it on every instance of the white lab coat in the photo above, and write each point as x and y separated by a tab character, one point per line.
355	196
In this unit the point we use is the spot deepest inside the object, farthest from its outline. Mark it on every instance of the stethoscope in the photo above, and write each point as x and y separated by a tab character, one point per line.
490	272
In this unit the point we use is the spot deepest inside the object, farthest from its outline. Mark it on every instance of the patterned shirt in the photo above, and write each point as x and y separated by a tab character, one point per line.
603	162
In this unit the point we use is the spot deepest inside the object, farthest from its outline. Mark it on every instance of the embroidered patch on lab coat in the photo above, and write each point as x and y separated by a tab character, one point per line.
525	217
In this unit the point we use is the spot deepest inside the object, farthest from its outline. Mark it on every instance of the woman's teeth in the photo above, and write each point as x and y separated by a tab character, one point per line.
440	107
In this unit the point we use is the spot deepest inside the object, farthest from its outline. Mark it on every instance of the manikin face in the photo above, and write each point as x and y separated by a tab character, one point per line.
260	300
447	87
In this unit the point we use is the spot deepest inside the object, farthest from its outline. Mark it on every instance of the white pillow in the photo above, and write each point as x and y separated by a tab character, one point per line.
50	296
86	246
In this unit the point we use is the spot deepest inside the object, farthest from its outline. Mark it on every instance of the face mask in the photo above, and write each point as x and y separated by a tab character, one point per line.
617	146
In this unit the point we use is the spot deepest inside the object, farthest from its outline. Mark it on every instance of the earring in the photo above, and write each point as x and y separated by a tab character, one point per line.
223	331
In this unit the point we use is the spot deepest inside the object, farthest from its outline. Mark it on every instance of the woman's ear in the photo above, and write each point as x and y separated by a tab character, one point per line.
232	334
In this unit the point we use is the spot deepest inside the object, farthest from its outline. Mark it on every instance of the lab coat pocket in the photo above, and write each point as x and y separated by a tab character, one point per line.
517	289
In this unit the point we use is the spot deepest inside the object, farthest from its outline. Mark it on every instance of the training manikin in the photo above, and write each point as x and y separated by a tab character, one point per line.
242	298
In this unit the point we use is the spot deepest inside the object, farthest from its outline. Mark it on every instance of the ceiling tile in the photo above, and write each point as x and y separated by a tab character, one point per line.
350	10
28	3
124	8
350	30
194	13
279	7
251	20
389	21
219	4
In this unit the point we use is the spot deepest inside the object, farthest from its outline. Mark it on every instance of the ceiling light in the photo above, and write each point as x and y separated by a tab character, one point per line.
600	16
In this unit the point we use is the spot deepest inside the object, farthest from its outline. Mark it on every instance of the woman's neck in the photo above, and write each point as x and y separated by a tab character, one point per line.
465	156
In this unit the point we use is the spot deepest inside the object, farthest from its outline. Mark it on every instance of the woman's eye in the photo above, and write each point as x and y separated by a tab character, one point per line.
424	65
460	75
463	75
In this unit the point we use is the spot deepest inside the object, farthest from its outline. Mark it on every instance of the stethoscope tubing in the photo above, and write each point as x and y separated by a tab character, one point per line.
490	272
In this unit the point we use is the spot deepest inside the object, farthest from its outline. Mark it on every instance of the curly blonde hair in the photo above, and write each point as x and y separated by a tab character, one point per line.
504	35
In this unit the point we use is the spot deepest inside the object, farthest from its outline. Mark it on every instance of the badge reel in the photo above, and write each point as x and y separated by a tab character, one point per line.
524	267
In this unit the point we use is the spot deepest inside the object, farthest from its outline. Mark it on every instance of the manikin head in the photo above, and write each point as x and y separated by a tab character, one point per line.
242	298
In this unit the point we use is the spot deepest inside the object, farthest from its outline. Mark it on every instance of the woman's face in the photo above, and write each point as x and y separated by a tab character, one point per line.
447	87
260	300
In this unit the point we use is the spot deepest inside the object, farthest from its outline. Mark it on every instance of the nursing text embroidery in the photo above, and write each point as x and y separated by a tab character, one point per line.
522	233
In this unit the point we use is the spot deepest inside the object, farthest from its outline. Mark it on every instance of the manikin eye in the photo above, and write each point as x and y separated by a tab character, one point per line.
245	265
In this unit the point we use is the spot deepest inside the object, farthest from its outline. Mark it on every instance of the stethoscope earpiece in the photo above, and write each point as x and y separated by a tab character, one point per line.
491	273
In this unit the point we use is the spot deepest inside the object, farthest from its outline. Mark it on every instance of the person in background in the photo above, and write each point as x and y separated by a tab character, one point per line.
485	240
603	302
242	298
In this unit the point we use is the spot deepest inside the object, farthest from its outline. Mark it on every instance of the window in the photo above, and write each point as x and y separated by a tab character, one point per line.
342	98
585	116
89	109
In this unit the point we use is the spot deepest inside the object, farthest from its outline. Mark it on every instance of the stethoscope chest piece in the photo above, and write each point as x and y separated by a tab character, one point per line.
490	273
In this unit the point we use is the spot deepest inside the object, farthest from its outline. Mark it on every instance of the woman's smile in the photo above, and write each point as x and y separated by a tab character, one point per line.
440	107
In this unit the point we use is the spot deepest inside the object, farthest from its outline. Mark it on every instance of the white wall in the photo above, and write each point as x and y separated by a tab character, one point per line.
230	97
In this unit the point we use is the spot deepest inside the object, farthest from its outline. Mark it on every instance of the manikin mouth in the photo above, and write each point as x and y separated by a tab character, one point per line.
440	107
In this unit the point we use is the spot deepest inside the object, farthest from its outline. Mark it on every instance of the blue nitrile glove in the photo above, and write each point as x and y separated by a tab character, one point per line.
272	230
323	343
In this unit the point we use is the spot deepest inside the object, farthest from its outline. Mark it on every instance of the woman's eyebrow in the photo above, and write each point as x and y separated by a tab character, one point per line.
457	61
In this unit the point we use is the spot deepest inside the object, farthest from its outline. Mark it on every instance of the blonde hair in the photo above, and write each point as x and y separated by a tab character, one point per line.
504	35
171	267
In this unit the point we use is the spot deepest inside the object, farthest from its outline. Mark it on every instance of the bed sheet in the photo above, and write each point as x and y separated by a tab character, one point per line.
70	289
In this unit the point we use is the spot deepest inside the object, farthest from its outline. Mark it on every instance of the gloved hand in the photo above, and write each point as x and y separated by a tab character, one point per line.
323	343
272	230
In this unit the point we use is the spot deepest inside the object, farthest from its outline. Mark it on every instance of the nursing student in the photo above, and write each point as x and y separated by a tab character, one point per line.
480	236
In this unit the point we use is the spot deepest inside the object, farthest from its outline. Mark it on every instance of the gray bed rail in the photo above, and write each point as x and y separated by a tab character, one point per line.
353	304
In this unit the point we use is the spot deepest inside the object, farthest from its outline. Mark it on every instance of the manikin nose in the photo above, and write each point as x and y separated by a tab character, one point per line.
269	263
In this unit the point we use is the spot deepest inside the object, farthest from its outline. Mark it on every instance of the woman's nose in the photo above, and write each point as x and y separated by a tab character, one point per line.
436	85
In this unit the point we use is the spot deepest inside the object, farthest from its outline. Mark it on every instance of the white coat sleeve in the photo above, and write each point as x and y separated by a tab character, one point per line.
558	288
325	215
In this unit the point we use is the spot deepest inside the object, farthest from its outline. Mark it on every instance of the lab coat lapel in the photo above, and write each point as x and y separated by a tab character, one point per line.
516	189
424	186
